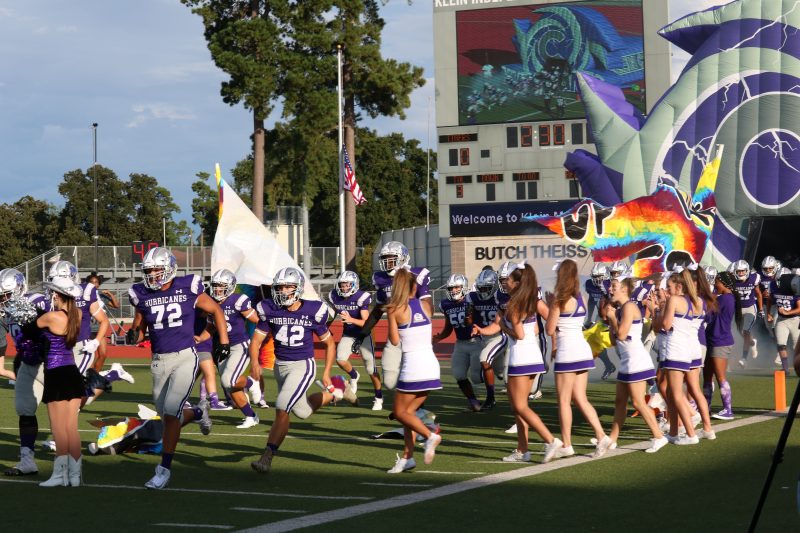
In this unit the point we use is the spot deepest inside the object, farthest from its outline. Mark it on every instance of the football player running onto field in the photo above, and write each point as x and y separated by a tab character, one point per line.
166	304
293	322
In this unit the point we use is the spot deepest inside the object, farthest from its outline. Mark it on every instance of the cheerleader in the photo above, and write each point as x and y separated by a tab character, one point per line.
636	367
719	339
572	354
525	361
680	324
410	328
704	292
63	382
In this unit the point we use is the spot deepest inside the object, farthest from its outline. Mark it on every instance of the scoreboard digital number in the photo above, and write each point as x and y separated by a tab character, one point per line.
490	178
140	248
458	138
458	180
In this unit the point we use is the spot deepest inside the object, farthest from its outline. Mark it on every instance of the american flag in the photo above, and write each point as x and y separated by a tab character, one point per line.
350	183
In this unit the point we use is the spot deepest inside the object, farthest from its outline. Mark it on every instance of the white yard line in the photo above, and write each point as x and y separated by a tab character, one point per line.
260	510
462	486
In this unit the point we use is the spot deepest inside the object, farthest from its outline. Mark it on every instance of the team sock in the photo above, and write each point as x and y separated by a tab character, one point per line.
785	365
466	388
379	393
213	398
725	392
198	413
353	374
203	390
248	411
273	447
489	392
112	376
249	383
166	460
28	428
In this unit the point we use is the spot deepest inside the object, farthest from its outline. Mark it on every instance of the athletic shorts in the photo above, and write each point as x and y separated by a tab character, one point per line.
29	388
391	357
83	360
720	352
232	368
294	378
367	352
749	315
204	356
466	359
786	329
173	379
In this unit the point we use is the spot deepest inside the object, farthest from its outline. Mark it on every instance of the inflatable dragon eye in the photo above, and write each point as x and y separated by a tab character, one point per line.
741	89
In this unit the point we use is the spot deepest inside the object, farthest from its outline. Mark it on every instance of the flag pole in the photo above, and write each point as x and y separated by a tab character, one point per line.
342	254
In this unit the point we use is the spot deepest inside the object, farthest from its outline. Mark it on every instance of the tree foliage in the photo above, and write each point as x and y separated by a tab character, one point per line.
32	232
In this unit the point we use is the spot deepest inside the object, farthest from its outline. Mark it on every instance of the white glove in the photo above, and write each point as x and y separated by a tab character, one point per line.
91	346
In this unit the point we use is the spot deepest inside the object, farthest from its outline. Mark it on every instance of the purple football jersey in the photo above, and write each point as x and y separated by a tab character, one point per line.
169	314
29	347
766	283
746	289
781	299
483	311
353	305
84	303
233	307
383	284
293	330
597	293
455	313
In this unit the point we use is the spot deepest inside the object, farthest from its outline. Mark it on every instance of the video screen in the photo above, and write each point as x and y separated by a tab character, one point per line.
518	64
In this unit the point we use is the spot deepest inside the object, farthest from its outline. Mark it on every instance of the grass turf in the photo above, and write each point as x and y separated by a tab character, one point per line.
329	462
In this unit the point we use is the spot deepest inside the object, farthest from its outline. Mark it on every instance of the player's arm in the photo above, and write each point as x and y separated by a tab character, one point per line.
590	309
134	333
358	320
491	329
448	329
330	357
99	313
427	305
254	349
759	300
250	315
374	315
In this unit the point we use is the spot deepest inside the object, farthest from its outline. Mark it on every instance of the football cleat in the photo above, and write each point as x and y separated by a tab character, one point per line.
160	480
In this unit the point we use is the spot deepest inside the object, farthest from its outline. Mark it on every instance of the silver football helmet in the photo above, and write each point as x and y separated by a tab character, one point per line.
393	256
599	274
12	285
159	267
457	287
486	284
223	283
347	283
740	269
618	268
782	271
711	274
287	277
770	266
62	285
63	269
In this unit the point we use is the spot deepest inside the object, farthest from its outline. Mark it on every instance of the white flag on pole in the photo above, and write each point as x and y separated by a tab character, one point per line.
244	246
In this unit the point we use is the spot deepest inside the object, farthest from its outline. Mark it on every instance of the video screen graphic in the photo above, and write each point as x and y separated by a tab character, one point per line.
518	64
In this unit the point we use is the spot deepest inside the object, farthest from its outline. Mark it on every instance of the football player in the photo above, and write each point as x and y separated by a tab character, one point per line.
237	309
165	304
352	306
598	290
293	322
30	374
748	287
467	349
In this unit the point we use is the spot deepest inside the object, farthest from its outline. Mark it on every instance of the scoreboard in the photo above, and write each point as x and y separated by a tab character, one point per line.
508	111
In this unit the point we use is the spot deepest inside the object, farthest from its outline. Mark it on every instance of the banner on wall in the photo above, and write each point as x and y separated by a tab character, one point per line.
503	218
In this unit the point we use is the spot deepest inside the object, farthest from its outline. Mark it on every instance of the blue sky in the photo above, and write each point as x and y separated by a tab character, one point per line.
141	70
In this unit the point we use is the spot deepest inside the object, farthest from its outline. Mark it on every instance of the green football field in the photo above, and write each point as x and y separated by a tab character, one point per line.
331	475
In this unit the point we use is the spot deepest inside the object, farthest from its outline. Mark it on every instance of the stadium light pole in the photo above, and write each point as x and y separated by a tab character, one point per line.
95	237
428	173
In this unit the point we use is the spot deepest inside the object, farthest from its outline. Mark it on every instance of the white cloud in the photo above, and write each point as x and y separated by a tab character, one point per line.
158	111
6	12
